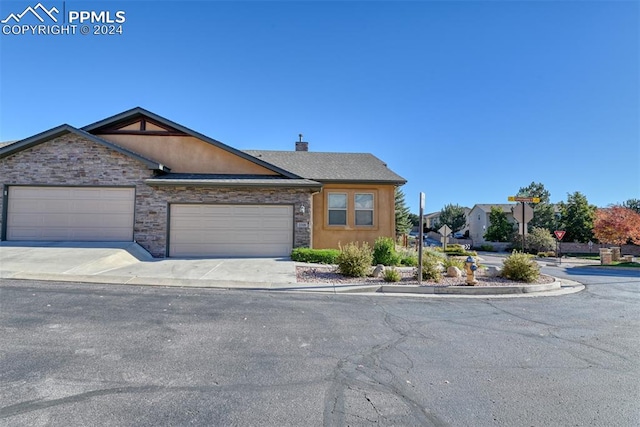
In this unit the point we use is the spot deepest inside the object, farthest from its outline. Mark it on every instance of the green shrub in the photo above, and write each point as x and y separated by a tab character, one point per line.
355	260
432	266
452	261
316	256
392	275
384	252
520	267
455	249
487	248
409	260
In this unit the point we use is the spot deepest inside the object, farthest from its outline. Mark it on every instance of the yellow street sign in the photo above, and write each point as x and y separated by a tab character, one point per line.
524	199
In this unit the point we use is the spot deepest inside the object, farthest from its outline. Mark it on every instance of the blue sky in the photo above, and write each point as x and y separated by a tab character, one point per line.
467	100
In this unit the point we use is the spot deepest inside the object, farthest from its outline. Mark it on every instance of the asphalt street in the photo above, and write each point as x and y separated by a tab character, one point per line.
117	355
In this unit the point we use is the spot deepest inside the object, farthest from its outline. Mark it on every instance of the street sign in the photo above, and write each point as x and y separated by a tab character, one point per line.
444	230
524	199
518	215
559	234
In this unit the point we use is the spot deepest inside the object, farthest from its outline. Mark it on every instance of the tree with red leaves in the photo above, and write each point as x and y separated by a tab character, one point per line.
617	225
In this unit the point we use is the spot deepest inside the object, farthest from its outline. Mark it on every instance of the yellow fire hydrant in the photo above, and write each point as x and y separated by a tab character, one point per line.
470	267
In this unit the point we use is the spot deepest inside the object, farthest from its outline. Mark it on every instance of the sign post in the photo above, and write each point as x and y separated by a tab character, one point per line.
559	235
420	238
444	230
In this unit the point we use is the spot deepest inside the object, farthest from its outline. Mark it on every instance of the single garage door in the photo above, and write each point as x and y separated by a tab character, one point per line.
230	230
70	213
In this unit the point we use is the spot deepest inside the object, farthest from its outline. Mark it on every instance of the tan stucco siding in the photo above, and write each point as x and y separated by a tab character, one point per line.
330	236
186	154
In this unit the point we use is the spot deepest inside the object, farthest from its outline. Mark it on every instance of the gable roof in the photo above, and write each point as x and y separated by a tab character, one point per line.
331	167
50	134
138	112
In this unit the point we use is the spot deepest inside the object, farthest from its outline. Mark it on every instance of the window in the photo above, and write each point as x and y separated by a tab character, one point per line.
364	209
337	204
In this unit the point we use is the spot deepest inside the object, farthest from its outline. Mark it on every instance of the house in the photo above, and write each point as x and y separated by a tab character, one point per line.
137	176
479	220
432	220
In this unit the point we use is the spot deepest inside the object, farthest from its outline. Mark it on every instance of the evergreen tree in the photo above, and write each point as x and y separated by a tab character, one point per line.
543	212
403	222
500	229
633	204
453	216
577	217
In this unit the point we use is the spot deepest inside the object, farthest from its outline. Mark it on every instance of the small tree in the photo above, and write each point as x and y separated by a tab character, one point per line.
403	222
617	225
540	240
500	229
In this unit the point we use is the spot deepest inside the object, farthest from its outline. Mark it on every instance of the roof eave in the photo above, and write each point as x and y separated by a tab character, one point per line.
362	181
220	184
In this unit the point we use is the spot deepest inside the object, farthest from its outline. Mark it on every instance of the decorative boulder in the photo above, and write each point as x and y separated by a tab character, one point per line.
454	272
492	271
378	271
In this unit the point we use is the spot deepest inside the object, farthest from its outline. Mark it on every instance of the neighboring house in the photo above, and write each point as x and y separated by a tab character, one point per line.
432	219
478	220
139	177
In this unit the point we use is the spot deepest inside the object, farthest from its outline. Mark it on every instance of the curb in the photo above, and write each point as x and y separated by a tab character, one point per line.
558	287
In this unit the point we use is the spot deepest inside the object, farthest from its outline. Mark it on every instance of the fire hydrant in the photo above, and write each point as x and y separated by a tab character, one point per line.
470	267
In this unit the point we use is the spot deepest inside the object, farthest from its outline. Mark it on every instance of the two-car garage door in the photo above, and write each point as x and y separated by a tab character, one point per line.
70	213
107	214
230	230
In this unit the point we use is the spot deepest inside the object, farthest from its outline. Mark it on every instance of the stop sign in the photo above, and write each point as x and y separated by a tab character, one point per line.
517	212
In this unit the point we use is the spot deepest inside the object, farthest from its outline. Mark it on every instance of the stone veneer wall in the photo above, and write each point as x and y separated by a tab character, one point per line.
72	160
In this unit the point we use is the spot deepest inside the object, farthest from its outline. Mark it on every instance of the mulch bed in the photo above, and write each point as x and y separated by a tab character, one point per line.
328	274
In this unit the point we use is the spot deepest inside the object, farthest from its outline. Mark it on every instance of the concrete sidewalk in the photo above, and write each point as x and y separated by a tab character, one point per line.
129	263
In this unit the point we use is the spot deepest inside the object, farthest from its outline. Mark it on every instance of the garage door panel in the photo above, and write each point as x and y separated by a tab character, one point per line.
231	230
73	213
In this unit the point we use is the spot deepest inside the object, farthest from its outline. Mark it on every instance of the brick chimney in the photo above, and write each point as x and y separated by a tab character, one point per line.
301	145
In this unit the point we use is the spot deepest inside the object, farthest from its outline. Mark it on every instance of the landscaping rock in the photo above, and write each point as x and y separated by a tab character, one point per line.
378	271
492	271
454	272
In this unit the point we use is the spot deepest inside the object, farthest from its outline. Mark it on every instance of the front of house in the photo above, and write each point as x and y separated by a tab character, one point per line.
137	176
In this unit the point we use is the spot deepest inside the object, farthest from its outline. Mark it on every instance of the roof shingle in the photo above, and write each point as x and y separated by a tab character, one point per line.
331	167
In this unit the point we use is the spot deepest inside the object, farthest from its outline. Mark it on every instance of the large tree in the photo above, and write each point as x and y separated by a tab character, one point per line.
403	223
453	216
500	229
415	219
543	212
633	204
617	225
577	217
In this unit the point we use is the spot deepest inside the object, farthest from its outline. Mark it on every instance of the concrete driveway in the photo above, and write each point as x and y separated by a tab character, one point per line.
127	262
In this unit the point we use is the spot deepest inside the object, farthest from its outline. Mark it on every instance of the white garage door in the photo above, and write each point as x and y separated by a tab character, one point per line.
70	213
230	230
